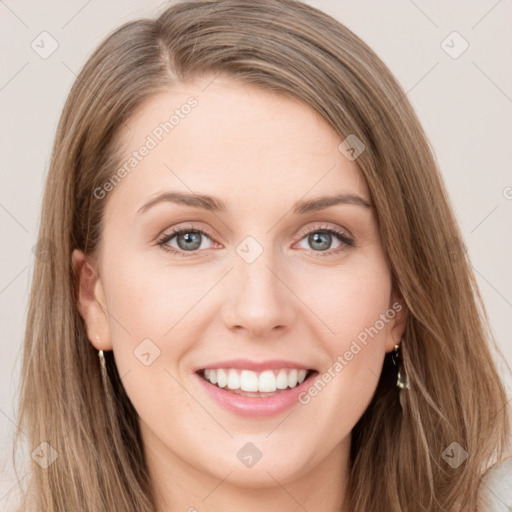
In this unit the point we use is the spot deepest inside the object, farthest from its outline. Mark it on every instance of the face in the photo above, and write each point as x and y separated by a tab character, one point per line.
259	279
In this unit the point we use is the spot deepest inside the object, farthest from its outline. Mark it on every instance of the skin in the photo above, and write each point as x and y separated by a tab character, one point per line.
260	153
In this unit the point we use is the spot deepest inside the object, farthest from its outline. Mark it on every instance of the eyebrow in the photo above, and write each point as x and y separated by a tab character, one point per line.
213	204
320	203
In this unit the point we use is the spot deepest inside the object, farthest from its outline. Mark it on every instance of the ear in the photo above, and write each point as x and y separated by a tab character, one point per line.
396	325
91	301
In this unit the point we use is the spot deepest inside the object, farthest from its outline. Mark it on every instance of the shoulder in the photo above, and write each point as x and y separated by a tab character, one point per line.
495	489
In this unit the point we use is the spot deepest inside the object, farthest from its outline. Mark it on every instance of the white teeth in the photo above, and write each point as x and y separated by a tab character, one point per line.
292	378
233	380
267	381
248	381
282	380
222	378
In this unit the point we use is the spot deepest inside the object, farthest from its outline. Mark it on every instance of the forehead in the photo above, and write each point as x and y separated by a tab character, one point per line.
232	140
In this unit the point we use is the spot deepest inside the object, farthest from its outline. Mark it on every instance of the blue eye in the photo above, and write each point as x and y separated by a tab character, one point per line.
187	240
321	239
192	240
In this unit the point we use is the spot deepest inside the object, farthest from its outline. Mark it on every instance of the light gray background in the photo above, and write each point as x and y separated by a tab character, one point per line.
465	105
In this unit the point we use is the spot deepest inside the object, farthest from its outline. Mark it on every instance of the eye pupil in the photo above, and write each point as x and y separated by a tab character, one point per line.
324	239
190	239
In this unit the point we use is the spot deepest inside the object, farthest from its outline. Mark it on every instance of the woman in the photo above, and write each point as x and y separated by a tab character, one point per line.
257	294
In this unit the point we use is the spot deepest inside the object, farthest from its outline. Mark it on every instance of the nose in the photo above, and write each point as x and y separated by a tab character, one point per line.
259	302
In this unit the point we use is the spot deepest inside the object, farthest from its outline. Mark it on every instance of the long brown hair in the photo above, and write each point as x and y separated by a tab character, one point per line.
456	395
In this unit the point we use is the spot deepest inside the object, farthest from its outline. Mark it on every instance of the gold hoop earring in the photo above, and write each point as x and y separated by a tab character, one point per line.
402	380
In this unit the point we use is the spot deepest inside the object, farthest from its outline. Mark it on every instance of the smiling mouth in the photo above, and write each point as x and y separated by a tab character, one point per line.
256	384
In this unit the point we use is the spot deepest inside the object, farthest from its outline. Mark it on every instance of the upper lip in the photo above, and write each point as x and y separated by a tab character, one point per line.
256	366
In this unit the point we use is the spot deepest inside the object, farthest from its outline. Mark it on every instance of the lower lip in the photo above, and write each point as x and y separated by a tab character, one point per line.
254	407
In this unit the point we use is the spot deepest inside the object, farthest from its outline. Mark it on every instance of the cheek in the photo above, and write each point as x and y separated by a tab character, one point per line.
158	312
151	309
347	300
352	304
151	300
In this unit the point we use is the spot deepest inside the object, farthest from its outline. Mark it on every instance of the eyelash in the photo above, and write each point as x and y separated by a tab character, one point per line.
340	235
